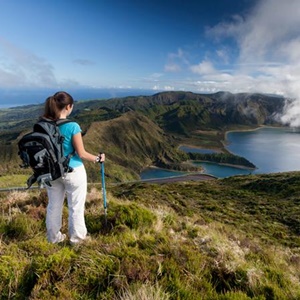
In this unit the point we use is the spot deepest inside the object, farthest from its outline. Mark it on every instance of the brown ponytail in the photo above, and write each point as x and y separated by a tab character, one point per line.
56	103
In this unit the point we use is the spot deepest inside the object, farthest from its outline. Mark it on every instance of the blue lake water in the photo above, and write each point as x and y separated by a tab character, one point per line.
270	149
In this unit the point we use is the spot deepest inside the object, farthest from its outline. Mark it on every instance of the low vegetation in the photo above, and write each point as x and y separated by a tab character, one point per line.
235	238
222	158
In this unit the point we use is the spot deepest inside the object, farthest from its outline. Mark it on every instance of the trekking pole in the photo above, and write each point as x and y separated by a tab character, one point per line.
103	190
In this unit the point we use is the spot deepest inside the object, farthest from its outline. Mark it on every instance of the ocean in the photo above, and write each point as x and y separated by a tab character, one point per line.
20	97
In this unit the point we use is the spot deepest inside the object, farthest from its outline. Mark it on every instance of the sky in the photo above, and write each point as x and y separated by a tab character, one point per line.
190	45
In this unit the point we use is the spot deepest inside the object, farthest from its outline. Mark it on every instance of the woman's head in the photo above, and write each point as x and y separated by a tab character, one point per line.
55	104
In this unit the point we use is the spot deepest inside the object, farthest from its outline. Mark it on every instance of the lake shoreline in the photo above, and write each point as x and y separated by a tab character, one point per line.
247	130
224	141
222	149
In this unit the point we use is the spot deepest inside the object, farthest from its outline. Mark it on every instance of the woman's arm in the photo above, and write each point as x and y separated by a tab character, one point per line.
79	148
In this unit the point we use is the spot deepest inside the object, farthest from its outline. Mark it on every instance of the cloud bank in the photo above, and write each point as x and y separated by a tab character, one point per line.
268	45
20	68
267	41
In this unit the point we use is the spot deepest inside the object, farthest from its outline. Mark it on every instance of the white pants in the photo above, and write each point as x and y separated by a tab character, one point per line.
74	186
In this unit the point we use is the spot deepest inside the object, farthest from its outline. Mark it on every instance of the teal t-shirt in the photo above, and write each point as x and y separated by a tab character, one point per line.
68	130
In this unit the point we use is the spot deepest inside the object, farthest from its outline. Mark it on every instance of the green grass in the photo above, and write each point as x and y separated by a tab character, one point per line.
235	238
17	180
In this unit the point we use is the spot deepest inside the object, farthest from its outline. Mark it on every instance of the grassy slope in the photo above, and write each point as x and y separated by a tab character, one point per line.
132	142
235	238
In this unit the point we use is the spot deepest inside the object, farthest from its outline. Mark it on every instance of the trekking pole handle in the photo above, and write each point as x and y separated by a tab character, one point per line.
101	157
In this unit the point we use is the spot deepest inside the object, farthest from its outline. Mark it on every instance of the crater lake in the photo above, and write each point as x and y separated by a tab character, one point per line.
270	149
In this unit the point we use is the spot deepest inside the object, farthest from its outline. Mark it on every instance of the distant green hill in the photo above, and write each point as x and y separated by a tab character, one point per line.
169	108
184	112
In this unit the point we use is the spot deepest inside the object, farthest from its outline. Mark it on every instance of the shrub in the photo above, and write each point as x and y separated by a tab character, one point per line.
21	227
133	216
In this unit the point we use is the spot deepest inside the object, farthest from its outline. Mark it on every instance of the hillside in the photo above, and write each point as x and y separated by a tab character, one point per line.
184	112
236	238
137	132
132	142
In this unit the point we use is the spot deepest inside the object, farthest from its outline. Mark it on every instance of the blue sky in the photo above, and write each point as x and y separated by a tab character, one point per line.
199	46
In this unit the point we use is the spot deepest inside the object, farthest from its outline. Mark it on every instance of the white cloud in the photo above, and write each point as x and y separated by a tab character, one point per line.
270	24
176	60
20	68
172	67
227	29
268	34
223	55
292	113
203	68
180	54
169	88
290	50
155	76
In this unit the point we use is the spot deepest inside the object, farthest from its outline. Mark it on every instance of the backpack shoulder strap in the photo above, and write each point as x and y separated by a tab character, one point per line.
58	123
43	125
62	121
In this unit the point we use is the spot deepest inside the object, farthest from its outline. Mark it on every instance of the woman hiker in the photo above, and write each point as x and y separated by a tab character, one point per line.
74	184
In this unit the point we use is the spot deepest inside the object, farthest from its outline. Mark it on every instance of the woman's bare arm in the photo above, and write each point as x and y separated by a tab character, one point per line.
80	150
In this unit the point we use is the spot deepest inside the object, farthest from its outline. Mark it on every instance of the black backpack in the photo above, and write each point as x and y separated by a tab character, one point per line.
42	150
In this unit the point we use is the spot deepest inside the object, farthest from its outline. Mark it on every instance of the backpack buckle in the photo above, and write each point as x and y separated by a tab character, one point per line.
44	179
